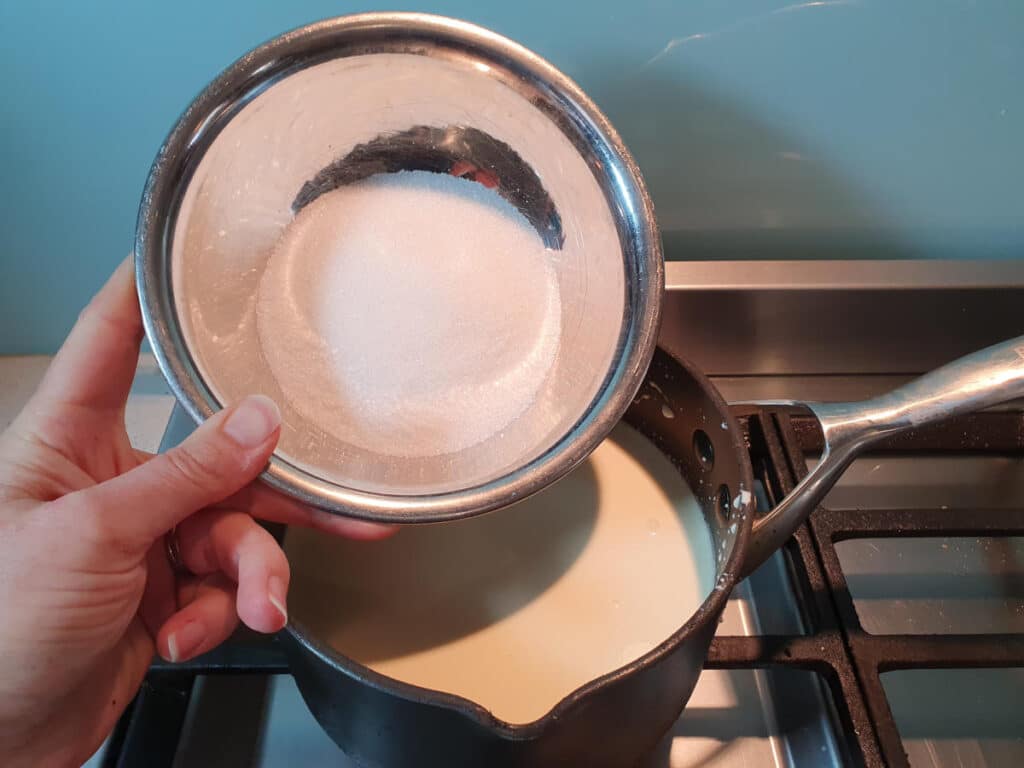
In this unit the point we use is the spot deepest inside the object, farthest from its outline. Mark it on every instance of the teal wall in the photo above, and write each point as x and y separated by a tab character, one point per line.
828	129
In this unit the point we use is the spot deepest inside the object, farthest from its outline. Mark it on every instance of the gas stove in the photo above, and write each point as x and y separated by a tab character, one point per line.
890	630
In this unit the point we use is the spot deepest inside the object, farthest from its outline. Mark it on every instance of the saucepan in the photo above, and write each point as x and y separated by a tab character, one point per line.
291	122
618	718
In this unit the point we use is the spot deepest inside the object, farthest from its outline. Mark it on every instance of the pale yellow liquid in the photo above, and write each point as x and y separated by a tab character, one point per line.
516	609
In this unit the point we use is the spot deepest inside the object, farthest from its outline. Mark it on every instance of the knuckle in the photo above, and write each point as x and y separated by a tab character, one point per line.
93	314
241	534
201	466
255	538
86	313
246	541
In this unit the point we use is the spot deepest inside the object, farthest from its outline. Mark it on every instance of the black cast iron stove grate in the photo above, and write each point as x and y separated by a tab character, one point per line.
837	647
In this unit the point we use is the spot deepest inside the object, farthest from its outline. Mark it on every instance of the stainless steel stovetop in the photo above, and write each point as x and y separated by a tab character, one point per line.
827	655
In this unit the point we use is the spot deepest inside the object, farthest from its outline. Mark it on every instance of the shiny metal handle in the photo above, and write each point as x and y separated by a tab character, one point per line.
979	380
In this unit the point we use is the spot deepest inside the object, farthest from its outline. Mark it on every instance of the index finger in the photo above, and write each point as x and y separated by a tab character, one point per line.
96	365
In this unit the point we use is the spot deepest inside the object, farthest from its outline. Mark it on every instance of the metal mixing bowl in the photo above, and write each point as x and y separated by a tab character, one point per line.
332	104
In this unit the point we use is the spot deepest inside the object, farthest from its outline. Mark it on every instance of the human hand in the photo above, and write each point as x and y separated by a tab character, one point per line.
85	582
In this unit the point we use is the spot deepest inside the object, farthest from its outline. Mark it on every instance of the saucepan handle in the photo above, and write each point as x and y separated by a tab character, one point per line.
979	380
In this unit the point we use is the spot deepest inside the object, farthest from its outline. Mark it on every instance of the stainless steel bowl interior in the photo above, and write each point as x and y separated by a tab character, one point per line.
287	123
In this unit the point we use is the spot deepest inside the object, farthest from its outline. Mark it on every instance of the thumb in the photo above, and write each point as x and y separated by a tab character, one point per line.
222	456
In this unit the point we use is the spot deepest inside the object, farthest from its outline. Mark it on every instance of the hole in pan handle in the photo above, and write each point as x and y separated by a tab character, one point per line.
977	381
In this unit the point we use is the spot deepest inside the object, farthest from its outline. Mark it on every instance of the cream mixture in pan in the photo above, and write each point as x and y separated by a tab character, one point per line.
516	609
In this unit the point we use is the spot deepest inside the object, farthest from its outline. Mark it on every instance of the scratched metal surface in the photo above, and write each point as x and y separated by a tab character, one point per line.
766	128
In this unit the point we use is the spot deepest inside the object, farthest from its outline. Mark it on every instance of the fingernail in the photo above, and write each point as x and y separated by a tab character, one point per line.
276	593
183	643
253	421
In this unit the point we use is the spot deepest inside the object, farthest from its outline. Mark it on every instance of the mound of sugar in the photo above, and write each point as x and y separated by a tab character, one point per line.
411	314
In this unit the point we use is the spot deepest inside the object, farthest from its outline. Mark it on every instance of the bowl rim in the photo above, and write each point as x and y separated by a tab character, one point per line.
614	169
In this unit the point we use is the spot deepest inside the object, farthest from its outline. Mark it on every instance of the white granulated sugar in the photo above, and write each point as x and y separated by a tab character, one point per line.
411	314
